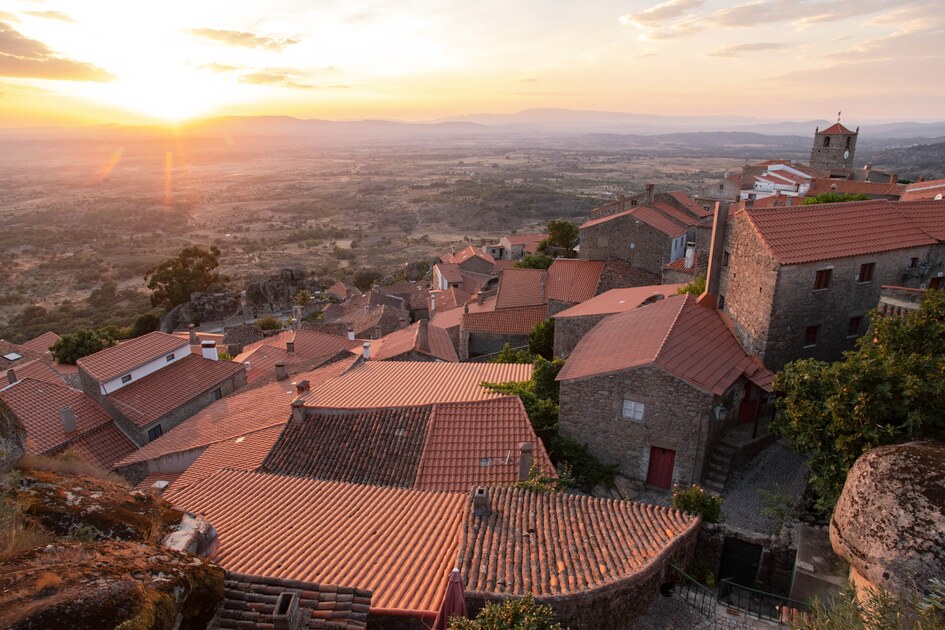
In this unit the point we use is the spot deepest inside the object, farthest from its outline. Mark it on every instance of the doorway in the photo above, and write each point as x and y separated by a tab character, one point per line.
660	471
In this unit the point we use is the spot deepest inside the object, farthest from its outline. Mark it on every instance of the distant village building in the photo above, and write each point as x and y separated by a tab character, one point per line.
514	246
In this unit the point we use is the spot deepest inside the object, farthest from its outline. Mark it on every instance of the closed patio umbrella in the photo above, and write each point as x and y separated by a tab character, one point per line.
454	601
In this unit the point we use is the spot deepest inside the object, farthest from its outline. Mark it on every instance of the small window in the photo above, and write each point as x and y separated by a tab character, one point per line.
725	257
849	140
866	272
810	336
721	301
633	410
217	394
822	279
853	326
126	378
169	358
937	283
913	263
485	461
154	433
827	141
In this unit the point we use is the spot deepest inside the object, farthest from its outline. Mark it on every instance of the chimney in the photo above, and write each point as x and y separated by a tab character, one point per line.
366	350
893	178
281	372
350	333
290	346
402	321
524	460
650	193
710	297
193	335
298	410
287	615
11	376
423	334
622	199
248	364
209	349
466	307
67	416
432	303
377	332
480	297
481	502
302	386
690	254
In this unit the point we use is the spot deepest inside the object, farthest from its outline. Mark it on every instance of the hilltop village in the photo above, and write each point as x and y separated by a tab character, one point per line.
525	417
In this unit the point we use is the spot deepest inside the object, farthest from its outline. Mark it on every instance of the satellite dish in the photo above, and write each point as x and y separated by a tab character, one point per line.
938	197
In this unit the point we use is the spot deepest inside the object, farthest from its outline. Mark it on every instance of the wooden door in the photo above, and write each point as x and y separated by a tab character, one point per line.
748	409
660	471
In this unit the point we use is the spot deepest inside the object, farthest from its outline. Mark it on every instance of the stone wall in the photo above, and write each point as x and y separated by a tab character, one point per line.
570	330
676	417
651	249
776	570
474	344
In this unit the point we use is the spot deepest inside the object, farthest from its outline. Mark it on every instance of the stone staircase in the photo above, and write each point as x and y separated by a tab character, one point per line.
720	465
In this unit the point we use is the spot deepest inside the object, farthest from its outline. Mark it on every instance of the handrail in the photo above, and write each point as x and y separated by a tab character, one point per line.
695	594
760	604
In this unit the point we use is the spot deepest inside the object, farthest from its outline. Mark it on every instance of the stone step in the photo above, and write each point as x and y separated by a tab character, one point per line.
714	486
726	448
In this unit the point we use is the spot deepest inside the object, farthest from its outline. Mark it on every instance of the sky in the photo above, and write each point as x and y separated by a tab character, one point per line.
101	61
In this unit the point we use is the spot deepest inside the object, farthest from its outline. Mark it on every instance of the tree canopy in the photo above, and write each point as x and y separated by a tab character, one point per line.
71	348
833	197
696	287
191	271
562	234
537	260
889	390
541	340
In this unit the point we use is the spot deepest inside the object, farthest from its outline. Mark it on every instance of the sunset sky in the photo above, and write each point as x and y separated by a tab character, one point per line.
94	61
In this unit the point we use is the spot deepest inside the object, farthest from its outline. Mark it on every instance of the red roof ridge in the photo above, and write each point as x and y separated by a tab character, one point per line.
669	329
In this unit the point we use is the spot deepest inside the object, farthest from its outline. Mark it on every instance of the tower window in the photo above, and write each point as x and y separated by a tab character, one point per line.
849	140
827	141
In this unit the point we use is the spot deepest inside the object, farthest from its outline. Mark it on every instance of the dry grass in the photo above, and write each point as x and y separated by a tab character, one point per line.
47	580
70	462
18	532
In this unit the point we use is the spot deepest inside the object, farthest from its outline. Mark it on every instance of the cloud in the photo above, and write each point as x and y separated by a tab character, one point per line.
287	79
737	50
660	13
23	57
51	15
218	67
242	38
643	54
8	17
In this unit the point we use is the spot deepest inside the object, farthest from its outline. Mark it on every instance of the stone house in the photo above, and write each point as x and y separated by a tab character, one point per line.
514	246
652	390
798	282
417	342
472	260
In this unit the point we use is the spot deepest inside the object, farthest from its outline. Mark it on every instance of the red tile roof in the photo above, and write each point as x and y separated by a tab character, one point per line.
245	452
693	206
407	340
118	360
37	404
557	544
474	282
407	383
41	343
660	216
249	602
923	190
450	272
837	128
448	299
398	543
513	321
928	216
451	318
145	484
311	348
676	334
619	300
525	239
146	400
344	290
465	254
103	445
261	361
477	443
37	369
521	287
807	233
25	354
572	280
851	187
674	213
680	265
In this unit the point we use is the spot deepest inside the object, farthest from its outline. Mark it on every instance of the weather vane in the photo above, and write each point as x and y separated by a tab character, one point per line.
838	116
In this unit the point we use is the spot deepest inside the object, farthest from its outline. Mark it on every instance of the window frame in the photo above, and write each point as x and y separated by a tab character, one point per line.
867	270
126	379
807	335
636	414
817	277
852	331
151	432
169	358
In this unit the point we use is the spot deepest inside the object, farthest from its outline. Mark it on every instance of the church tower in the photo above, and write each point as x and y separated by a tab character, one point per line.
833	149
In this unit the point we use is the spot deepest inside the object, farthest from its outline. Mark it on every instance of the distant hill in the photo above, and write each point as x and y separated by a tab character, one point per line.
912	162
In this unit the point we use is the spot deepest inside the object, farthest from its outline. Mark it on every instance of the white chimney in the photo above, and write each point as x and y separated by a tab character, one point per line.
432	302
67	416
193	335
281	372
249	365
209	349
350	334
366	350
690	254
524	460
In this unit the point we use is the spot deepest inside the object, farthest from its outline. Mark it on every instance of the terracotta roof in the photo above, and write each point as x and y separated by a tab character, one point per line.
145	484
676	334
558	543
477	443
249	602
230	417
837	128
396	542
680	265
407	340
36	369
619	300
674	213
928	216
415	294
799	234
851	187
450	272
465	254
157	394
448	299
41	343
572	280
245	452
408	383
103	445
661	217
377	446
261	361
310	347
474	282
8	348
521	287
344	290
37	404
512	321
923	190
451	318
524	239
120	359
691	205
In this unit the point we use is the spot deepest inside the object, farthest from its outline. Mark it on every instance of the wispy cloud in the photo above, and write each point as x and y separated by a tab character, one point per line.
739	49
644	54
286	78
660	13
8	17
51	15
243	38
23	57
219	68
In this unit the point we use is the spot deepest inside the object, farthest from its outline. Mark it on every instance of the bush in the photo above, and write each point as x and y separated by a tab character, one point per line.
145	323
541	340
513	355
696	287
269	323
512	614
71	348
696	500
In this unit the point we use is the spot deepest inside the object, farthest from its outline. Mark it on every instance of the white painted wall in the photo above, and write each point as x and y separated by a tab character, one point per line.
148	368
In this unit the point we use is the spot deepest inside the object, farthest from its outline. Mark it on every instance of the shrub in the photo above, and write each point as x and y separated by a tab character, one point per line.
512	614
513	355
696	500
269	323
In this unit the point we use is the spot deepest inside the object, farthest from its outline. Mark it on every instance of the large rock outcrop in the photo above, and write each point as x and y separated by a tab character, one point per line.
889	523
203	307
12	439
277	291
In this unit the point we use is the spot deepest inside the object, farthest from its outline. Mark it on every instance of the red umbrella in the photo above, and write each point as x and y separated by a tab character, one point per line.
454	601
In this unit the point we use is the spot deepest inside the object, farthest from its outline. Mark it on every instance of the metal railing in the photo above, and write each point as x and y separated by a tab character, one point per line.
696	595
760	604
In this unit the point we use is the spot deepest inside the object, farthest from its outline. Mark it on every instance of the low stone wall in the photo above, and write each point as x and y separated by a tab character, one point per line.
776	570
398	622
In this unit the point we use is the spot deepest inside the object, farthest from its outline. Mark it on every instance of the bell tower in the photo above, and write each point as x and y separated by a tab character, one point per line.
833	149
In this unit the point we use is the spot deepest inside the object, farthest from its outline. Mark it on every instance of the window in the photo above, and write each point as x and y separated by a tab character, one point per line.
721	301
485	461
822	279
827	141
937	283
126	378
913	263
725	256
853	326
154	433
633	410
810	336
169	358
866	272
217	394
849	140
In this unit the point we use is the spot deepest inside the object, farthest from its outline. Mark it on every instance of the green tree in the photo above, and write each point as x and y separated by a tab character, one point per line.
172	281
364	278
512	614
696	287
541	340
70	348
145	323
832	197
513	355
537	260
562	234
889	390
302	298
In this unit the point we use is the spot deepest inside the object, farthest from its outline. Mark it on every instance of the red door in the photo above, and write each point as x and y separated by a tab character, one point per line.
748	409
660	473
